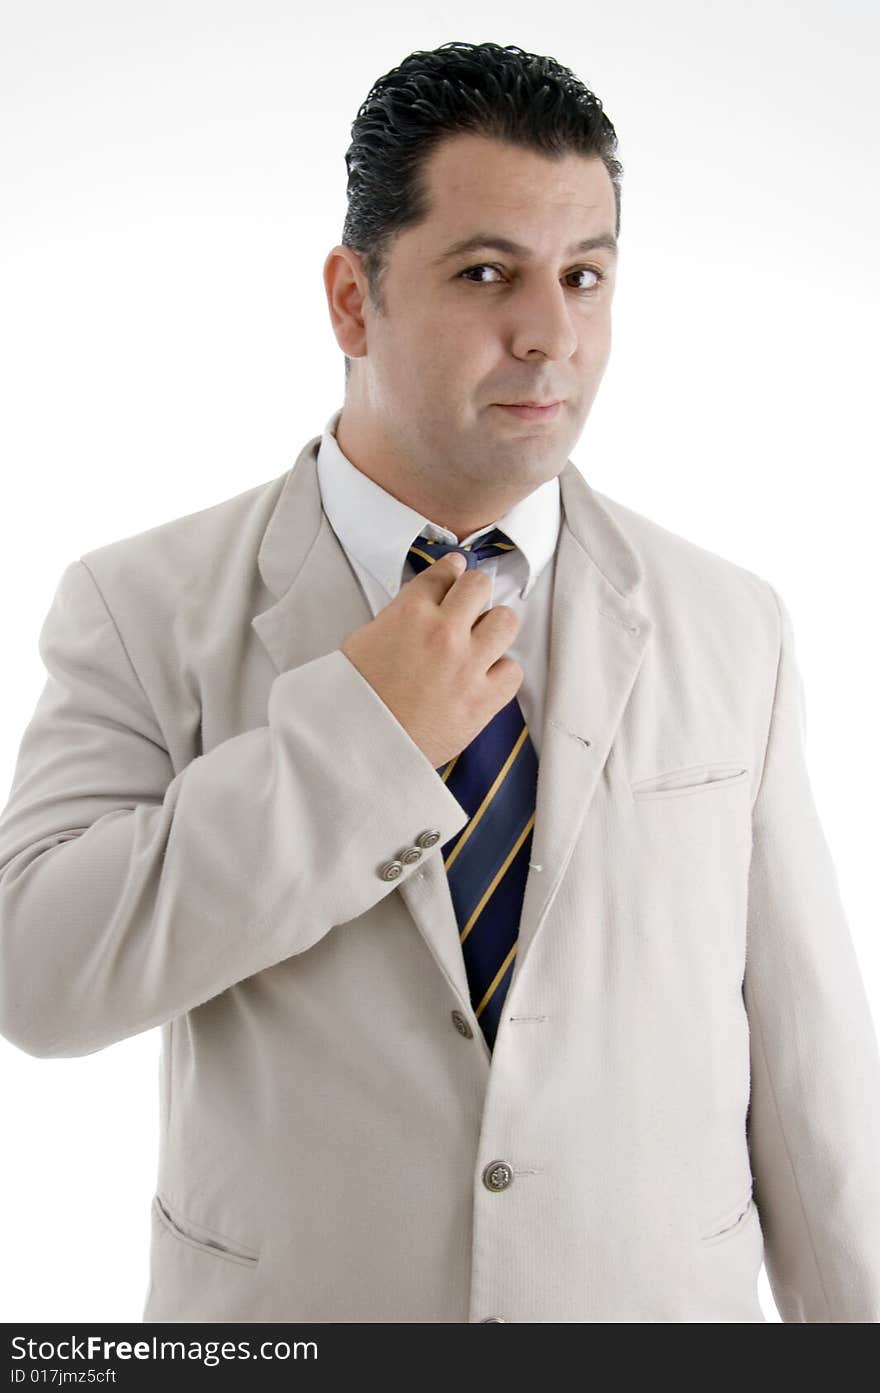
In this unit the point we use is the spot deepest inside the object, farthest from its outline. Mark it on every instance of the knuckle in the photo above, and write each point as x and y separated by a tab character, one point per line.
514	670
439	632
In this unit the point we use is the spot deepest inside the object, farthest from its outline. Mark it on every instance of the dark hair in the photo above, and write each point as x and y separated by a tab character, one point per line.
484	89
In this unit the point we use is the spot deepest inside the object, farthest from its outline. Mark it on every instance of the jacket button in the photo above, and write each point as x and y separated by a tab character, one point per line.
497	1175
412	853
391	870
426	839
461	1025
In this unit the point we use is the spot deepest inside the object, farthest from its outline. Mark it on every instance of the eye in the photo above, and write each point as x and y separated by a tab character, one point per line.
580	270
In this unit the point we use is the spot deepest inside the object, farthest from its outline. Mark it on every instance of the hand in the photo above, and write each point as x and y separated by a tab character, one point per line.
436	661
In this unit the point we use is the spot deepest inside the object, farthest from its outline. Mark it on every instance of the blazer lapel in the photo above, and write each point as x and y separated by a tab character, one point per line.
598	640
318	602
318	598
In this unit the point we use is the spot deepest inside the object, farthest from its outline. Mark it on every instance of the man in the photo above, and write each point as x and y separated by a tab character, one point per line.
486	913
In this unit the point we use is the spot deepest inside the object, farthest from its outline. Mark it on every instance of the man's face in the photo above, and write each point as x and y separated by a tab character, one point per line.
464	332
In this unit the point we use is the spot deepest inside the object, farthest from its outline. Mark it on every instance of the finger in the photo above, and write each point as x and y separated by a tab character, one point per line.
439	578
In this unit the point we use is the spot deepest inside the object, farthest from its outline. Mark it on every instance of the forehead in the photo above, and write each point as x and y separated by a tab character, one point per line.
475	174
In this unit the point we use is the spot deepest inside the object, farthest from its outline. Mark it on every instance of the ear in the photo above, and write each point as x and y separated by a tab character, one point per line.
346	287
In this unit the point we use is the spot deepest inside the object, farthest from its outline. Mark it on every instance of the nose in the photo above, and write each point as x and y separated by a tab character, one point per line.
543	323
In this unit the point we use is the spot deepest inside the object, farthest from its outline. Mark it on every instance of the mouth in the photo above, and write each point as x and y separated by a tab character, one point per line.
531	411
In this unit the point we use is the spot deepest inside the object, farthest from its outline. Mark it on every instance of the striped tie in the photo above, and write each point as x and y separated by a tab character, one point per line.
494	779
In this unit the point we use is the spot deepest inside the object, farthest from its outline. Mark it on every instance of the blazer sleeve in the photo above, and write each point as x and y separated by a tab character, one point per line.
129	895
814	1112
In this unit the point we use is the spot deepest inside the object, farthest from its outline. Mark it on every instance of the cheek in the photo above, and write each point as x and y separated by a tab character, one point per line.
599	333
446	362
594	347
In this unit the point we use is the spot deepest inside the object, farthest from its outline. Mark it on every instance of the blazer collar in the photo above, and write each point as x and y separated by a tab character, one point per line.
377	529
298	515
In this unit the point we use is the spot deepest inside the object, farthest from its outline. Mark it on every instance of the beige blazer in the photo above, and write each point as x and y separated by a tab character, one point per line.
686	1076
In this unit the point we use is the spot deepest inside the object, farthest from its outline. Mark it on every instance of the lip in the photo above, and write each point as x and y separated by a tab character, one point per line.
529	411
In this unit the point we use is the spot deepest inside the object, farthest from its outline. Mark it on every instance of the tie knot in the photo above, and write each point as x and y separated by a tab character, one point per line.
425	552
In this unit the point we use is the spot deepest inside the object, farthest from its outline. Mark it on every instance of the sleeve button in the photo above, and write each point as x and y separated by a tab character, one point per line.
461	1025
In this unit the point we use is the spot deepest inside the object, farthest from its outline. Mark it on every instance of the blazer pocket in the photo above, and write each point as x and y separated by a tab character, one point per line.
695	778
204	1240
733	1222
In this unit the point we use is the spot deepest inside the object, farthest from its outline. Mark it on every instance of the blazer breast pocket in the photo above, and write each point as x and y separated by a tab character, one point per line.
690	780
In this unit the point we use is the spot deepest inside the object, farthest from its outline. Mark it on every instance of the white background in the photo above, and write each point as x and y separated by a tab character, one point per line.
171	179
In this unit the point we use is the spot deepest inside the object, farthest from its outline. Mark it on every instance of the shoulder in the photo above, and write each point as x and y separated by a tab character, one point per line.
692	592
193	551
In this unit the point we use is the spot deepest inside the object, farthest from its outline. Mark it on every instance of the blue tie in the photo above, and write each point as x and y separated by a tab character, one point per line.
487	862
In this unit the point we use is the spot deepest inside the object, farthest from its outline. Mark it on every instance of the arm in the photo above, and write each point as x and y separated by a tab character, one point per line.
129	895
814	1113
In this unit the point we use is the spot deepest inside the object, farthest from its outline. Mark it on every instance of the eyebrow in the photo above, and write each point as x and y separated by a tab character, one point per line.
491	241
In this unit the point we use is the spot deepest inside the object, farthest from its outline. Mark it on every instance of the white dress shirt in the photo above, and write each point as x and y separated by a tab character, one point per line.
376	531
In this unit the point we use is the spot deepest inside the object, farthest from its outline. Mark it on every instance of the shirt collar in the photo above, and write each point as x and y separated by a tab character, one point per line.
378	529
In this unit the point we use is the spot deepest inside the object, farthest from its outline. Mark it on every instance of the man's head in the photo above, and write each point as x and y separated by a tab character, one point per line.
465	142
